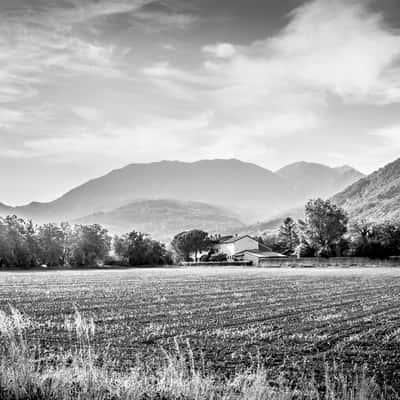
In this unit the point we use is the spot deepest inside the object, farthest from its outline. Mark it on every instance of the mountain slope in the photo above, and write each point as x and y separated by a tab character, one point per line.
317	180
165	218
375	197
229	183
5	210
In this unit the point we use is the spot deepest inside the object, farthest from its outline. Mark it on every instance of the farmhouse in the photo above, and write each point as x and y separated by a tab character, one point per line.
232	245
238	248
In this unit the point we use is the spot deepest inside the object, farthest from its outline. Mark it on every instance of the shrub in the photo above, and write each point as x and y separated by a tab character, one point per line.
220	257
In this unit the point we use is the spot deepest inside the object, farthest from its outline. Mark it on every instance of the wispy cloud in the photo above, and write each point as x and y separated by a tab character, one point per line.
390	135
118	142
283	85
221	50
9	117
48	38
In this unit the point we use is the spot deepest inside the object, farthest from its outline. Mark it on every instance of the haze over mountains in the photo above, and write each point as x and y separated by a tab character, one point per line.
310	179
164	218
375	197
225	192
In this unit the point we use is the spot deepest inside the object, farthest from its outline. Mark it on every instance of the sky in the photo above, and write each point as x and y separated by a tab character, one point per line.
87	86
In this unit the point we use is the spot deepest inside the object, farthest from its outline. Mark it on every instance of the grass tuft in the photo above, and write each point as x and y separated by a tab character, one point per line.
25	374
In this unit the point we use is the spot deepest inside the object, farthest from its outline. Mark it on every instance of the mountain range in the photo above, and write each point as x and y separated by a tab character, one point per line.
165	196
375	197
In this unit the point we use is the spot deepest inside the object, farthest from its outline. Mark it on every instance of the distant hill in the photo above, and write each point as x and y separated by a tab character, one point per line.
5	210
311	180
272	225
233	184
375	197
165	218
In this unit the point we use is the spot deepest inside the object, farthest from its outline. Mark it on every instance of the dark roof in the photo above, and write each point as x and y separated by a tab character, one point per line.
223	239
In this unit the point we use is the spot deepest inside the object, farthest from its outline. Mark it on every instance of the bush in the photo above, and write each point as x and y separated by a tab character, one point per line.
205	258
116	261
220	257
140	249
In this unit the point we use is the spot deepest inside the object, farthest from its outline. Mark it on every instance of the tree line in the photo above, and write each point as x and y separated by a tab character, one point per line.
24	245
326	231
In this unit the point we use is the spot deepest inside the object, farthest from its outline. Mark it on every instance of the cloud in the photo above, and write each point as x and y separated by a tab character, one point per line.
161	21
284	85
117	141
9	117
221	50
165	71
33	51
332	47
342	47
86	113
390	136
42	41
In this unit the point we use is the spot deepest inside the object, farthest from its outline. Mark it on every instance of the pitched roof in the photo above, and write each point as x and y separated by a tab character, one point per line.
236	238
263	247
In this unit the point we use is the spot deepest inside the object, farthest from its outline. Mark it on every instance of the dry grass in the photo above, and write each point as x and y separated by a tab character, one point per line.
76	374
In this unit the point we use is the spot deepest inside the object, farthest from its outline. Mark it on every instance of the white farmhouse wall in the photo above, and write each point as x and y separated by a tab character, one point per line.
245	243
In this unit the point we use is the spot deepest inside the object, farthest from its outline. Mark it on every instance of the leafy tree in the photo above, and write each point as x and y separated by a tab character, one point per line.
120	245
273	242
375	240
90	245
140	249
288	236
194	241
51	241
18	243
324	226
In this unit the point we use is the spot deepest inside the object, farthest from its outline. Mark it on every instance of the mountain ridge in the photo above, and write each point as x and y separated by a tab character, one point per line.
318	180
246	189
375	197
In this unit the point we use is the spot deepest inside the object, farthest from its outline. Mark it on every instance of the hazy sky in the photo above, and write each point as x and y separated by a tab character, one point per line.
91	85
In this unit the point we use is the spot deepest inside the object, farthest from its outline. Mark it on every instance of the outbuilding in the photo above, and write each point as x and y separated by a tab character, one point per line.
257	256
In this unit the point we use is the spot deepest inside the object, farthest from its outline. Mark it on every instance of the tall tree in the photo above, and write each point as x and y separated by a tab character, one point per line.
191	242
324	227
51	240
288	236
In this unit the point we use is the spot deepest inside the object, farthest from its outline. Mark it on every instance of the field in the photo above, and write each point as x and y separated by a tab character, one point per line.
292	321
